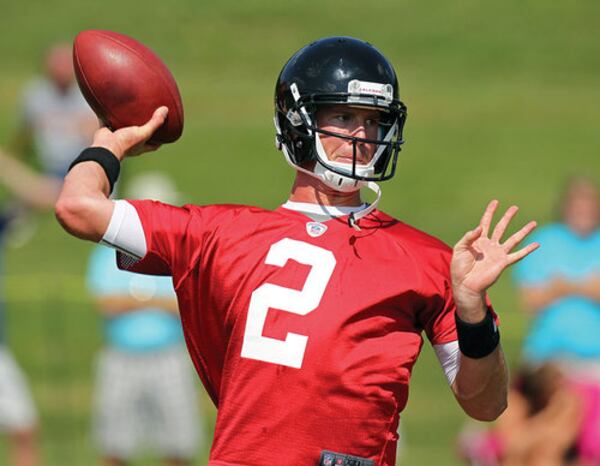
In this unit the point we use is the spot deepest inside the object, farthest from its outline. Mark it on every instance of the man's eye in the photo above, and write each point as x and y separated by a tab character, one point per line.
341	118
373	123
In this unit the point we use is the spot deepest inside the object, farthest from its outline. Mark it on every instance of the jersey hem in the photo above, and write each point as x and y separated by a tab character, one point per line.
223	463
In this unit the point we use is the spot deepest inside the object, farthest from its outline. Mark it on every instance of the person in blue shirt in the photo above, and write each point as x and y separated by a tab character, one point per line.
18	416
553	411
560	283
145	389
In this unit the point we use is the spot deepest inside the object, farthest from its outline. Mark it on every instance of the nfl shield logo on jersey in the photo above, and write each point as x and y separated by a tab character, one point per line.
315	229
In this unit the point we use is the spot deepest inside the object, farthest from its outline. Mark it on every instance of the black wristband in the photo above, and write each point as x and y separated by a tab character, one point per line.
103	157
477	340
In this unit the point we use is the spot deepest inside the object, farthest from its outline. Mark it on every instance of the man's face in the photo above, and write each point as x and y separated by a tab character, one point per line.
348	121
59	66
581	207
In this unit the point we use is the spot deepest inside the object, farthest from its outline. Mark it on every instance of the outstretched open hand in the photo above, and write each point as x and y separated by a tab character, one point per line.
479	258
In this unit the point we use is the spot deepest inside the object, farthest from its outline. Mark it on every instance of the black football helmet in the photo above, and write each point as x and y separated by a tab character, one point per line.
338	71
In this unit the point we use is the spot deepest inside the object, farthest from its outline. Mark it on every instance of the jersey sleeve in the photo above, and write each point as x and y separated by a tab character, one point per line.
174	238
438	316
440	324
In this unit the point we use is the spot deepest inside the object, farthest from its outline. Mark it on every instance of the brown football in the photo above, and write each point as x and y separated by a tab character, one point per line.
124	82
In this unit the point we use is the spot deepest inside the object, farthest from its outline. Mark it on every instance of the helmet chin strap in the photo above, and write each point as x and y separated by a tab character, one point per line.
329	178
321	175
346	184
334	181
354	217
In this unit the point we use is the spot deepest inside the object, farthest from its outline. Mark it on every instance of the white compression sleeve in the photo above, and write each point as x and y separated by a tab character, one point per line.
125	232
449	356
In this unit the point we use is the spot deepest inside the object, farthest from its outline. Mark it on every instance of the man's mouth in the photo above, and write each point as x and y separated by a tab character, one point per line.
349	160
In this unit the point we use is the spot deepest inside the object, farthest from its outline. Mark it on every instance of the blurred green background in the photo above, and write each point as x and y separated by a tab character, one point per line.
503	102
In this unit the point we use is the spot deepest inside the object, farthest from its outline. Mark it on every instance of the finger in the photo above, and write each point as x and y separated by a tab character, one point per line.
158	118
469	238
151	147
486	219
503	223
521	253
515	239
144	148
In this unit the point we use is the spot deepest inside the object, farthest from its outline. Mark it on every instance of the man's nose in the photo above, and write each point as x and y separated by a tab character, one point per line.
360	131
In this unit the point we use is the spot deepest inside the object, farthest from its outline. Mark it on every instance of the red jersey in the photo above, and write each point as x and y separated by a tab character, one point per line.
303	333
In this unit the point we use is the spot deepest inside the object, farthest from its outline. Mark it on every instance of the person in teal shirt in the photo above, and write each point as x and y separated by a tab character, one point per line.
145	391
141	310
560	283
553	411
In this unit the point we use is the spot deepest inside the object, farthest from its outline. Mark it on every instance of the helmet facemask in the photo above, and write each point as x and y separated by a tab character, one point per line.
301	137
339	71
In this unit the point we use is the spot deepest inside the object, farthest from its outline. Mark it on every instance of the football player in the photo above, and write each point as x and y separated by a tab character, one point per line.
304	322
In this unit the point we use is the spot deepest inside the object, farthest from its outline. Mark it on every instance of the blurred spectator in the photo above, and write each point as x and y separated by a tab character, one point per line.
145	386
553	415
560	283
18	415
543	425
56	122
560	287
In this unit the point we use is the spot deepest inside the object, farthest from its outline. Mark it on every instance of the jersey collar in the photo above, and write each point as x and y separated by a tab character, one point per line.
327	211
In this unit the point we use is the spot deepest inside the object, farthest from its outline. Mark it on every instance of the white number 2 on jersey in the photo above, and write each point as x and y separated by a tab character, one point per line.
288	352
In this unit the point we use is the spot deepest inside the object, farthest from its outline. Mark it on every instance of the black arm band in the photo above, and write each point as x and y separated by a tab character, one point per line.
477	340
103	157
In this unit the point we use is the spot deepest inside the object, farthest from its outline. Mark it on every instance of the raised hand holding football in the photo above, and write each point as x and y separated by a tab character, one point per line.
125	82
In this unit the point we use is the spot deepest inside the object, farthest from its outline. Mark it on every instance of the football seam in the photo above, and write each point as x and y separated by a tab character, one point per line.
162	78
105	110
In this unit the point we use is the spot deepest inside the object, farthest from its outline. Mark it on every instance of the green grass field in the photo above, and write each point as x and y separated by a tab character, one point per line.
503	102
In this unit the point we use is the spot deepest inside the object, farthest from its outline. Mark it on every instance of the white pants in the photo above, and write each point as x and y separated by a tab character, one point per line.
147	399
17	411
